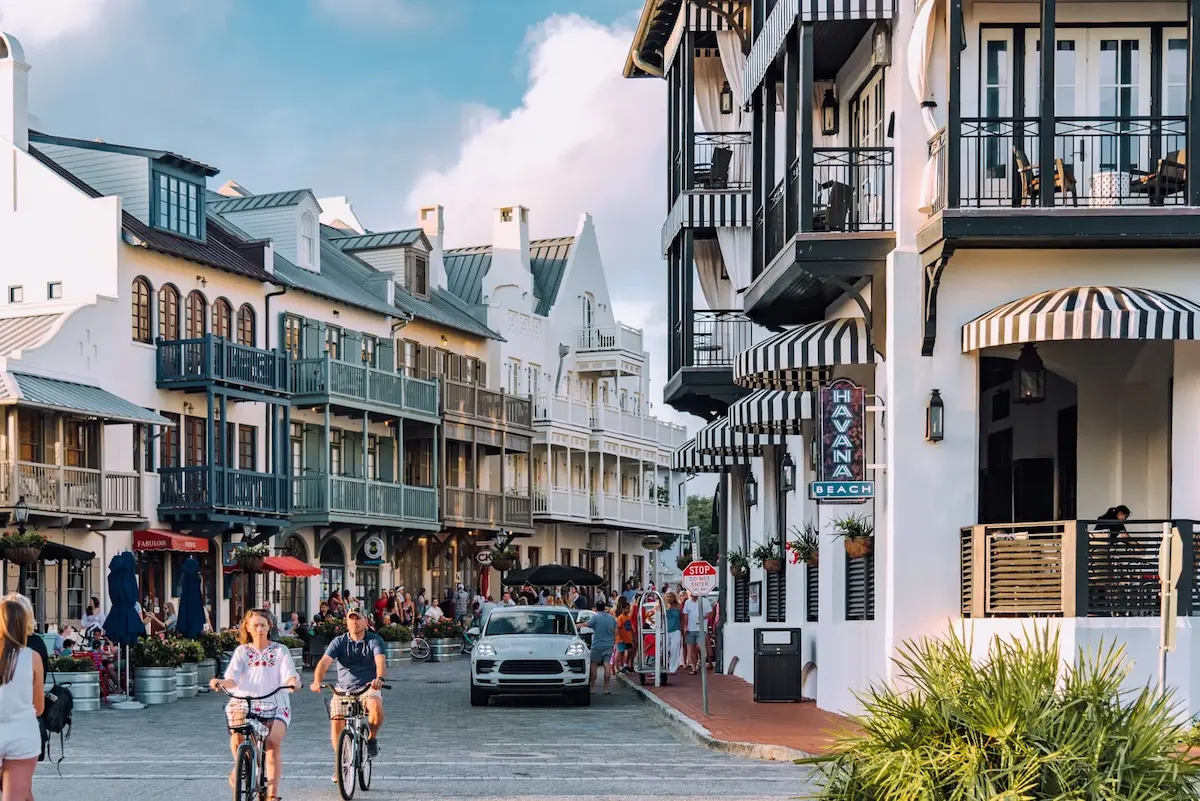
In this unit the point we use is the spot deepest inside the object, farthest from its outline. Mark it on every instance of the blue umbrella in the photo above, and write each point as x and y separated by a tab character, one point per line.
123	625
191	606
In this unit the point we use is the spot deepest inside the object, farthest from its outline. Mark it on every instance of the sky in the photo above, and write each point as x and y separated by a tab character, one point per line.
393	103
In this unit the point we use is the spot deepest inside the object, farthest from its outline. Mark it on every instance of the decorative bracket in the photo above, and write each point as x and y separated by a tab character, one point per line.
932	282
863	306
731	17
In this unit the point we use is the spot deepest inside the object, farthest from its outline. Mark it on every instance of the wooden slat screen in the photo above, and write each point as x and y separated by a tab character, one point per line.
776	600
967	575
741	600
1025	573
860	588
811	592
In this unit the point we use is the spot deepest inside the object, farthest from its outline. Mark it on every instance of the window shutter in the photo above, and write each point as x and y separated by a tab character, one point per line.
312	339
352	449
384	455
385	355
425	362
351	350
312	448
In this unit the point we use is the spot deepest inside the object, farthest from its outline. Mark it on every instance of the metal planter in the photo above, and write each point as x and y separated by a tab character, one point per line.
155	685
397	653
297	657
225	657
187	680
444	650
206	671
84	689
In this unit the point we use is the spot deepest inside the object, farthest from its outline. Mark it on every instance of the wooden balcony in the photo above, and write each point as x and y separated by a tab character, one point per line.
210	492
498	408
1070	568
324	380
318	497
605	419
485	509
72	490
195	364
607	508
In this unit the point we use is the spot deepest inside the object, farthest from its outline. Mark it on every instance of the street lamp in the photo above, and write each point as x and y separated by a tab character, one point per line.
751	489
20	514
787	473
726	99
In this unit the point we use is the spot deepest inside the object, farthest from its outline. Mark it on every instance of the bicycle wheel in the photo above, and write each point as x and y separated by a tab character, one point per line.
364	760
345	764
419	649
243	776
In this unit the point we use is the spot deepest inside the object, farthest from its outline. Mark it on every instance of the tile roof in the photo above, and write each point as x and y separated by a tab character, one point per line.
174	159
50	393
219	249
466	267
268	201
19	333
377	239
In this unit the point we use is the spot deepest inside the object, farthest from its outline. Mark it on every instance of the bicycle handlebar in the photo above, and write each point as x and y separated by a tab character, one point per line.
257	697
349	694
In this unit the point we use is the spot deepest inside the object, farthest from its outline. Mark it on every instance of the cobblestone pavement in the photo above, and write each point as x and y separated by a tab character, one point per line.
434	745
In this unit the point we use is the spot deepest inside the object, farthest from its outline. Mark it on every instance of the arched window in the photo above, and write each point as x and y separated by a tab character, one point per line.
168	312
245	325
196	315
308	240
589	309
222	318
141	310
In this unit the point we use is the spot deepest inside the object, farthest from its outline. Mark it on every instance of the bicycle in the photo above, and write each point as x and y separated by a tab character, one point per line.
352	757
418	649
468	642
253	722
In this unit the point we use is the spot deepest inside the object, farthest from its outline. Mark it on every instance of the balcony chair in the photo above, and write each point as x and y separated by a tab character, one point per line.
833	214
1168	178
716	174
1031	181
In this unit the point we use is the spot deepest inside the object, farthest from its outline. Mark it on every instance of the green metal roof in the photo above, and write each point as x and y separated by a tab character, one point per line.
270	200
466	267
165	156
23	389
378	239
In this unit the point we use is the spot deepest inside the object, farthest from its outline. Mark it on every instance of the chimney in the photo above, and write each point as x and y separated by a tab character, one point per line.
510	254
14	92
433	223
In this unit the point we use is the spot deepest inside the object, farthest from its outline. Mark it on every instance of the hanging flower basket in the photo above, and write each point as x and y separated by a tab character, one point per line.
739	570
773	565
248	563
503	563
22	555
859	547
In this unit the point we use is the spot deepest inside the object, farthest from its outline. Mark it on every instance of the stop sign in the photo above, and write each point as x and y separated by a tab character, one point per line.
699	578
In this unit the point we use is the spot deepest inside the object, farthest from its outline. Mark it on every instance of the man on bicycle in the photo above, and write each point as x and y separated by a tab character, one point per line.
361	661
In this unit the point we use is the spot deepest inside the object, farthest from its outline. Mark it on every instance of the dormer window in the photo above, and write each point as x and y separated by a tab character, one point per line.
308	240
177	205
416	274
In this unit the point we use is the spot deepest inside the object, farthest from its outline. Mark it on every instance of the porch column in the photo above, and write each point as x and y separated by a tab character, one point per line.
954	36
756	185
210	420
1193	97
768	146
366	435
687	290
805	76
1046	128
1185	431
791	78
687	66
327	463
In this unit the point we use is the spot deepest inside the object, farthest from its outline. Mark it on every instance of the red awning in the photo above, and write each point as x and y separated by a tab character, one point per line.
290	566
151	540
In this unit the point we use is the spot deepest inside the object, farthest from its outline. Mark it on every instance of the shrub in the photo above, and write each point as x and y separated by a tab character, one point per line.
330	627
30	539
155	652
442	629
396	633
189	650
211	642
227	640
763	553
251	550
291	642
71	664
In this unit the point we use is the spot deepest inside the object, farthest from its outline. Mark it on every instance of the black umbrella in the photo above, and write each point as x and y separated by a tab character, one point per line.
553	576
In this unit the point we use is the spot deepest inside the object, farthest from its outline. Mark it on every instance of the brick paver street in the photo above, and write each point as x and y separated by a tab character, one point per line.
435	746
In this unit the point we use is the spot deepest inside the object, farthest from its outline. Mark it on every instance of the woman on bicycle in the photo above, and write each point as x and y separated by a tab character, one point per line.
257	667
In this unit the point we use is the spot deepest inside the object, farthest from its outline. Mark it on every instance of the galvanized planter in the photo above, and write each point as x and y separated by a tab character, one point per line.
187	680
155	685
225	657
297	658
84	689
445	650
206	671
397	653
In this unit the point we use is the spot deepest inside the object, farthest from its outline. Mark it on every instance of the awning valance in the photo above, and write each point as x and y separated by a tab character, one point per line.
770	411
1085	312
718	439
792	360
57	551
284	566
687	460
23	389
152	540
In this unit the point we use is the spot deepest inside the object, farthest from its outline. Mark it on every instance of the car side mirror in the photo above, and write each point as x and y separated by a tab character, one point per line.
473	631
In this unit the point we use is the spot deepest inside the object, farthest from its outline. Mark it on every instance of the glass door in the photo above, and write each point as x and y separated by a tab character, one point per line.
866	159
1174	103
1070	92
1117	147
988	145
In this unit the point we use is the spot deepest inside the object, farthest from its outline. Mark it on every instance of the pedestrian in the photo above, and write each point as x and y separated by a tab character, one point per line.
408	611
433	612
507	599
674	633
628	592
462	604
624	636
604	634
692	612
421	602
22	701
322	612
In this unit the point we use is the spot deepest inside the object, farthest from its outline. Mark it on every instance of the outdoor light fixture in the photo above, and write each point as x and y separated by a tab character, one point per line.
935	418
787	473
726	99
20	514
1030	376
813	452
881	45
829	114
751	489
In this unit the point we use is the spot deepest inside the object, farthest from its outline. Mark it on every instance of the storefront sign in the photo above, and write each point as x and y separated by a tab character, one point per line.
372	551
227	557
842	445
484	557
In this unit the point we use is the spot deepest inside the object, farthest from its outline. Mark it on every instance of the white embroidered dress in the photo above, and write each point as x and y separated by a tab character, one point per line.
259	672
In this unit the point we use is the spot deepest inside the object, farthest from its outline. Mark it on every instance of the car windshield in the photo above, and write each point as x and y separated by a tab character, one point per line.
532	622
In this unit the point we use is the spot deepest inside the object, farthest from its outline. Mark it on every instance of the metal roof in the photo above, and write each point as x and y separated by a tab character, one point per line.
166	156
23	389
330	283
270	200
381	239
18	333
466	267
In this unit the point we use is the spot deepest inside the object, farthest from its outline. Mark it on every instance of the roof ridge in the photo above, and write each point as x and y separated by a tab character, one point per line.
532	242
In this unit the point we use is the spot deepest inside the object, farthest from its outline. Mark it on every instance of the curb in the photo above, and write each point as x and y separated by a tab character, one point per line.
694	732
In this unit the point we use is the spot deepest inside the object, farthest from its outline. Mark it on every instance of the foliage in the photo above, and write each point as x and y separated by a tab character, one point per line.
228	640
762	553
442	629
683	560
396	633
291	642
30	539
1191	738
330	627
806	544
242	549
737	560
854	527
71	664
1020	725
155	652
505	552
211	642
189	650
663	493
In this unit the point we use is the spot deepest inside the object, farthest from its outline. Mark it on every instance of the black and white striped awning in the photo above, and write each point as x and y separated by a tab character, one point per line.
718	439
792	360
1085	312
771	411
687	460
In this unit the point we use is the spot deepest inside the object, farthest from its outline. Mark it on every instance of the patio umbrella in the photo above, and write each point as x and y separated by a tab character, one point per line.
553	576
191	606
123	625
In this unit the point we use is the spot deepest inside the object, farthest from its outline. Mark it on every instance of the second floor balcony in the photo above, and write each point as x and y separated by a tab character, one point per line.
320	497
486	405
478	508
605	419
325	380
701	352
212	360
214	493
60	489
608	508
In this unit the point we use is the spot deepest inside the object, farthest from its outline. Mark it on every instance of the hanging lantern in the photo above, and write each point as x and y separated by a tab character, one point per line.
1030	376
829	114
881	45
935	418
787	473
726	99
751	490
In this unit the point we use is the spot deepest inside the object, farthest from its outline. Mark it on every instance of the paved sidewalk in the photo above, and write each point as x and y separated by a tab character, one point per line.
736	723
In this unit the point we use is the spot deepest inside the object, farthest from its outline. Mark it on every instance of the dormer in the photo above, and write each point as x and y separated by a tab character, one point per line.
289	219
404	254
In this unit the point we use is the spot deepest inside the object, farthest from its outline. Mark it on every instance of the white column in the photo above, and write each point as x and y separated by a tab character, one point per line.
1185	432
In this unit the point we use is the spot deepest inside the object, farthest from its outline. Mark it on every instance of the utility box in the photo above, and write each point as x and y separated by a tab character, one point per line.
777	665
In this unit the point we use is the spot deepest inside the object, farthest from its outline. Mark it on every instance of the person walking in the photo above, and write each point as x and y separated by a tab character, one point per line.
674	653
462	605
604	638
624	637
22	702
692	612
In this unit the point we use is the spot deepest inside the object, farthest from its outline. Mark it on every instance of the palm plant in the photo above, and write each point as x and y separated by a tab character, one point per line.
1017	727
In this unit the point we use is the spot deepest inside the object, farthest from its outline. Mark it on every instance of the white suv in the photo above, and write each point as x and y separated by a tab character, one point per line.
529	650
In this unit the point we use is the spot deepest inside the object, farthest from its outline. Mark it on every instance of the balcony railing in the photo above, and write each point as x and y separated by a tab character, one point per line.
721	161
610	337
184	362
717	338
602	417
320	493
327	378
1071	568
483	507
210	488
593	506
81	490
1098	162
497	407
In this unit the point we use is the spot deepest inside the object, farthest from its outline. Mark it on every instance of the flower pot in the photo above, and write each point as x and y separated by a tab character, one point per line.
739	571
503	563
297	657
85	689
773	565
187	680
250	564
813	560
397	653
155	685
206	671
858	547
444	649
24	555
225	657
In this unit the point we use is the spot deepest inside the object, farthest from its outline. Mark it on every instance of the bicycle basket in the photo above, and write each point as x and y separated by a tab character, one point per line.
340	707
239	713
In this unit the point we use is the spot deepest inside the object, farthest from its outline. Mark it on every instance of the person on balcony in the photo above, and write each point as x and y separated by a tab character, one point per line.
1116	528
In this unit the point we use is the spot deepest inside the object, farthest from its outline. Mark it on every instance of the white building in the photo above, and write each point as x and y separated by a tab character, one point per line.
973	229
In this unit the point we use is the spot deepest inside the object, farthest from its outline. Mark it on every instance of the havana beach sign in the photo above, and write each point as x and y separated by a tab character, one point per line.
841	444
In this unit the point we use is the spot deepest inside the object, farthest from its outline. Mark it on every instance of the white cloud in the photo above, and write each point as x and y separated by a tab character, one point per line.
376	15
36	22
583	139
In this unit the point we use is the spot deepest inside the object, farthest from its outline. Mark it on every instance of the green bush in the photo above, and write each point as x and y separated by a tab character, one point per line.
442	629
155	652
396	633
227	640
211	642
330	627
30	539
70	664
291	642
189	650
1019	726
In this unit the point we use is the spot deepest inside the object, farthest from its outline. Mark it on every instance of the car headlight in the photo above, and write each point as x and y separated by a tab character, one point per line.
485	650
577	648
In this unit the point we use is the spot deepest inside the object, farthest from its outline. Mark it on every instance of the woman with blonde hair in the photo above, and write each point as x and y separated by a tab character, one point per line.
259	667
21	702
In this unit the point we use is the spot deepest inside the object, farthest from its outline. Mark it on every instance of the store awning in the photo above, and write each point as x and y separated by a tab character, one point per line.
151	540
770	411
25	390
686	460
1085	312
793	359
718	439
52	551
290	566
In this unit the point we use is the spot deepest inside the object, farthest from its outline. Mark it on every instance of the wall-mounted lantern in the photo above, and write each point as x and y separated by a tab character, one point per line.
751	490
935	418
1030	376
881	45
726	98
787	473
829	114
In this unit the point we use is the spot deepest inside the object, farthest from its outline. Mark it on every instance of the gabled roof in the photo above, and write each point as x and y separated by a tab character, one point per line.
466	267
269	201
373	240
218	250
165	156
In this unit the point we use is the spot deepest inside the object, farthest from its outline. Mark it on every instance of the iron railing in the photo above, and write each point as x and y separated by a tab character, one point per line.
722	161
717	338
854	189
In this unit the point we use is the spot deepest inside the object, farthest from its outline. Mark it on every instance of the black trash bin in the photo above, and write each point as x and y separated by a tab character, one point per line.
777	665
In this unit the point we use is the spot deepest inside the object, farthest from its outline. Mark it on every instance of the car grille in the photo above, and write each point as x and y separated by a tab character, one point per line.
530	667
484	665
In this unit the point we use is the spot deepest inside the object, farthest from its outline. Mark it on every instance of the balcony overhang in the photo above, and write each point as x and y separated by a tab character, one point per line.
703	391
609	363
702	208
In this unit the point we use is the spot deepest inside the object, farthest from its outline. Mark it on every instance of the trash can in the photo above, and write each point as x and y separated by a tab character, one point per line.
777	665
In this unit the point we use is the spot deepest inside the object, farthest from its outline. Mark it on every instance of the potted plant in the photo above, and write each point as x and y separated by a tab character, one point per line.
396	639
250	558
191	653
445	639
295	647
84	679
739	565
154	665
22	549
505	558
227	643
206	668
857	533
805	547
768	558
683	560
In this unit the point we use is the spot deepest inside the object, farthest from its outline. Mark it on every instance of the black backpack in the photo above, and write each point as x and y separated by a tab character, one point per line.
56	719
